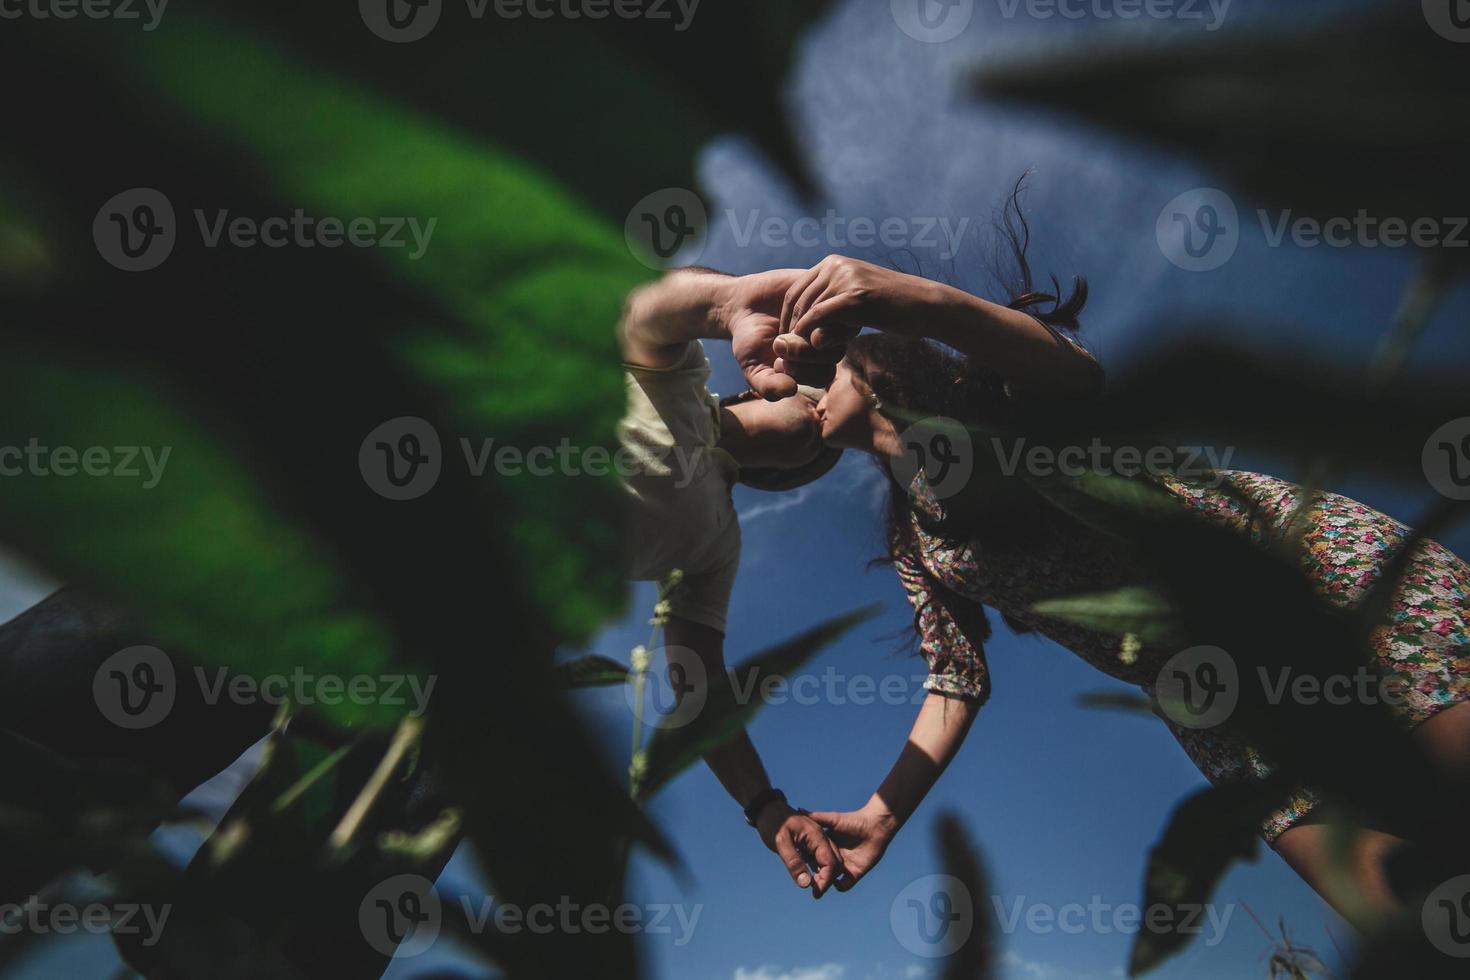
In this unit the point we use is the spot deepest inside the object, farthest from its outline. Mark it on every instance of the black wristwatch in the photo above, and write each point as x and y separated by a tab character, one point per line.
762	799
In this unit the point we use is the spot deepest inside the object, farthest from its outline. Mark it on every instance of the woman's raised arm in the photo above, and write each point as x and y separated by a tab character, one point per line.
862	836
839	296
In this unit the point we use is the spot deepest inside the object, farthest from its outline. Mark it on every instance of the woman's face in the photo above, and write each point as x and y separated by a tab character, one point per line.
846	410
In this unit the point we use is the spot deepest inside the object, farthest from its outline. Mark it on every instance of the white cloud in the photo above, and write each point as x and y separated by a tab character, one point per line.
784	501
827	971
1020	966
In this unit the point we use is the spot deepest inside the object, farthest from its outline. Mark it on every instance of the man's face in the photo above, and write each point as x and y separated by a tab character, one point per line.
782	434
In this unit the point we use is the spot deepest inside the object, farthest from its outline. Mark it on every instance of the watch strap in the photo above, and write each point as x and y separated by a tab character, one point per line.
761	800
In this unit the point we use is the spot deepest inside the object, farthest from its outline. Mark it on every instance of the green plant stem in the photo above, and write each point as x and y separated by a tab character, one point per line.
404	739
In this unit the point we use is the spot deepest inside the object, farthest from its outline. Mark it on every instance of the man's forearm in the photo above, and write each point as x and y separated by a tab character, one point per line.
738	767
684	305
735	763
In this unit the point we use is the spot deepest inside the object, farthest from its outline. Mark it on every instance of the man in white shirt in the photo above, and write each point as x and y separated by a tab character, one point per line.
689	449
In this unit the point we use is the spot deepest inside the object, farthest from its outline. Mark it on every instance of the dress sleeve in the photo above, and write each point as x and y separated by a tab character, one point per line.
952	633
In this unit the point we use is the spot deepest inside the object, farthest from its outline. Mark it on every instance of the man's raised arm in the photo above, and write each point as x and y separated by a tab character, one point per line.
661	318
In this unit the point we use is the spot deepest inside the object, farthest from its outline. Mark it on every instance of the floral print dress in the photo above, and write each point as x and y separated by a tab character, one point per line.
1424	642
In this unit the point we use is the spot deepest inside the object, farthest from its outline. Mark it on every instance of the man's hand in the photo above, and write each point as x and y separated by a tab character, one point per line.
861	837
752	317
751	337
802	846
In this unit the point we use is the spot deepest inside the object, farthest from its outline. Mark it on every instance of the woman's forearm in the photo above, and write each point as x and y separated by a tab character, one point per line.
936	737
1012	344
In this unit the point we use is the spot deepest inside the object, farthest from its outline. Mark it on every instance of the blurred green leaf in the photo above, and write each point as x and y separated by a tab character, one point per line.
59	815
1138	610
975	960
589	671
191	545
1207	833
1118	701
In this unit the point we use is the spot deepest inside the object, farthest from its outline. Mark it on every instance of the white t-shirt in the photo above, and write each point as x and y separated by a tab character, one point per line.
680	514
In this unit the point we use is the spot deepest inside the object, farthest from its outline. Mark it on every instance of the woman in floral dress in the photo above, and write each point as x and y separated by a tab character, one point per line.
1017	551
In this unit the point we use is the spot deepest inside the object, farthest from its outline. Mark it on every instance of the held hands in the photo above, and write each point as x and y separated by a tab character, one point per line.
791	326
801	845
829	303
861	837
824	850
751	314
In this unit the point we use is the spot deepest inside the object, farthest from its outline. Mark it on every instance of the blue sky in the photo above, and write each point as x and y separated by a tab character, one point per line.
1062	801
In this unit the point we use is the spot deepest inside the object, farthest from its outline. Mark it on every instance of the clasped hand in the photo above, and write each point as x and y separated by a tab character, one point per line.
825	849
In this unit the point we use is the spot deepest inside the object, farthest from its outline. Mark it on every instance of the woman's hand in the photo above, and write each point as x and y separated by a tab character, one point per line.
862	837
751	315
802	846
838	296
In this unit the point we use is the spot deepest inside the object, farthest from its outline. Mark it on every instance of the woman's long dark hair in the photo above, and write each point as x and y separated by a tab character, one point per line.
919	378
